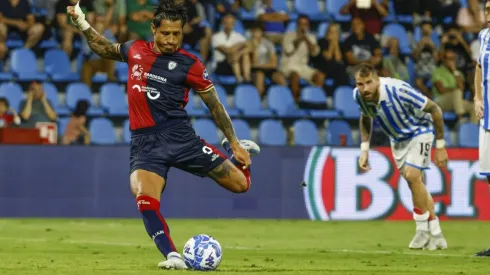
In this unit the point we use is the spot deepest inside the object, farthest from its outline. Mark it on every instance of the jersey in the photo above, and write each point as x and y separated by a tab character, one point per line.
159	84
484	62
399	111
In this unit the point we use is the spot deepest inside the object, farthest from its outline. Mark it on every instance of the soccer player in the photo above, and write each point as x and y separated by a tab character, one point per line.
160	77
409	118
482	102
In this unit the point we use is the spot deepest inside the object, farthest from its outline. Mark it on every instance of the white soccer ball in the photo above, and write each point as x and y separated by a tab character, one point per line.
202	252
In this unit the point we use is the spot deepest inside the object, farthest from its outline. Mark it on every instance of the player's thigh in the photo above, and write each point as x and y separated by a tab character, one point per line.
146	183
484	151
228	176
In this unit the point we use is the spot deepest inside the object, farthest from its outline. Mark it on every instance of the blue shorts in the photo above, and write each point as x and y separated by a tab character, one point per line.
157	152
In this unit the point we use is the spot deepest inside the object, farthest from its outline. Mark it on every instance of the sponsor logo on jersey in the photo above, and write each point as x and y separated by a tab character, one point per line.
205	75
137	72
151	92
172	65
137	56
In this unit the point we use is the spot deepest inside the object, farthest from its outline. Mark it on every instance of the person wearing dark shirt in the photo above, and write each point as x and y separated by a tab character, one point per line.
194	33
372	17
16	17
453	39
361	46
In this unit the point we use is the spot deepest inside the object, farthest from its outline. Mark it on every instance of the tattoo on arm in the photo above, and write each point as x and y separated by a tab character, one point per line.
219	114
432	108
101	46
365	126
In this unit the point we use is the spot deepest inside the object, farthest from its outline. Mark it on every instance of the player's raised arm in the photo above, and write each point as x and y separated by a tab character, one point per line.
97	42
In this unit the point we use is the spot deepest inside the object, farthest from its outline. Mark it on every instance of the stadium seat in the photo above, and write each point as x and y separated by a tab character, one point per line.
322	30
192	109
399	32
468	135
126	132
280	100
311	8
80	91
52	95
62	122
57	66
280	5
102	131
24	66
333	8
224	100
291	27
391	17
242	129
122	71
345	104
13	93
316	96
335	130
207	130
305	133
113	99
247	100
447	136
271	132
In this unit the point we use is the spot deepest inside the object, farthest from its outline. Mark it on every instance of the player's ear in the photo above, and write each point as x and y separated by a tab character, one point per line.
153	29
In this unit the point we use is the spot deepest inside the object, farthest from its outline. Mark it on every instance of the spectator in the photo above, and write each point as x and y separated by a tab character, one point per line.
448	87
393	66
194	33
372	17
331	61
453	39
113	14
76	132
16	16
7	114
49	7
140	15
231	52
471	19
426	57
36	108
297	48
264	60
274	21
361	46
66	31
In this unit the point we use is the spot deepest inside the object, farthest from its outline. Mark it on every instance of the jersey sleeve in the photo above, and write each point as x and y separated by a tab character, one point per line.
198	78
480	39
413	98
124	49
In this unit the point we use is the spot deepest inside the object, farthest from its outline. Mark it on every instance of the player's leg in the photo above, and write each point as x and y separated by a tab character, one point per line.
484	157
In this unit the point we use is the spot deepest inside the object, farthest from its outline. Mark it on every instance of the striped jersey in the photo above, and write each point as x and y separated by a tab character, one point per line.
399	111
484	61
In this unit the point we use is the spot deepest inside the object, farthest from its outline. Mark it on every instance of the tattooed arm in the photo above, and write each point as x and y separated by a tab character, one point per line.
432	108
101	46
219	114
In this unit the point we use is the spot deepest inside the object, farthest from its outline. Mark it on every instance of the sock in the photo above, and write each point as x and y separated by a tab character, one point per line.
155	224
421	219
246	172
435	227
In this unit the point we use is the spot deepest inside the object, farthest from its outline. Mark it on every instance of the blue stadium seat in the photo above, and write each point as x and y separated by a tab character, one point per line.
391	17
126	132
102	132
57	66
24	66
291	27
468	135
399	32
322	30
52	95
333	8
271	132
80	91
247	100
280	5
113	99
280	100
207	130
311	8
305	133
62	122
315	95
13	93
447	136
335	130
344	102
122	71
192	109
224	100
242	129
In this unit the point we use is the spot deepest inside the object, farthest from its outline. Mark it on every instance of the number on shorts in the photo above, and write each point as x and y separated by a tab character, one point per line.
207	150
424	149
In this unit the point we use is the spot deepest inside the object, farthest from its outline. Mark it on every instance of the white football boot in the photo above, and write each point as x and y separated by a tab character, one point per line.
437	240
420	240
252	148
174	261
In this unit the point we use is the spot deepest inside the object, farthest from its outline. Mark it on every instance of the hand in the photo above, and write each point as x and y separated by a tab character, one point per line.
21	25
241	155
441	157
30	95
364	161
71	13
444	39
479	108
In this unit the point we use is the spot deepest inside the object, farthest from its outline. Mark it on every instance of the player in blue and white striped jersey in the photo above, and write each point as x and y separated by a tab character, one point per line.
482	101
409	118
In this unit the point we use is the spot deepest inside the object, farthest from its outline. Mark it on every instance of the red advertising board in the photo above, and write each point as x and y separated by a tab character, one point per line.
337	190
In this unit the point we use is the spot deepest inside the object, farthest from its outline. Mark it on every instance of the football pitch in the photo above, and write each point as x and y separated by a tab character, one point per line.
103	246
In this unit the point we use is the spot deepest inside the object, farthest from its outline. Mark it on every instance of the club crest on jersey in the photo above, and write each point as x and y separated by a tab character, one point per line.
172	65
205	75
137	72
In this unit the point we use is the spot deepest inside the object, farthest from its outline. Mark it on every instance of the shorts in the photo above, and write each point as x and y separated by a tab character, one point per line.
484	151
415	152
305	72
157	152
195	36
223	68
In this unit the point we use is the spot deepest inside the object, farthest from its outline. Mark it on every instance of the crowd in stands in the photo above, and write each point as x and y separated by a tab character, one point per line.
284	64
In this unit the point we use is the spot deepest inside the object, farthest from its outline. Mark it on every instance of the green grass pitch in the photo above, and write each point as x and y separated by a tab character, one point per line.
93	247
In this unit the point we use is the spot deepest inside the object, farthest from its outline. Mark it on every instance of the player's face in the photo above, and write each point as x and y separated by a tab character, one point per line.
368	86
3	107
168	36
487	13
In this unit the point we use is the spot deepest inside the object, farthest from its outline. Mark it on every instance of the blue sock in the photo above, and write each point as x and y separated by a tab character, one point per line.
155	224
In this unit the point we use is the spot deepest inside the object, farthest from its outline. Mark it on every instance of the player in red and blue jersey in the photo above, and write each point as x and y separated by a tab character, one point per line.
160	77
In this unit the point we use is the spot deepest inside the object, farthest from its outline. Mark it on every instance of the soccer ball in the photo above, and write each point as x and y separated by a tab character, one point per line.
202	252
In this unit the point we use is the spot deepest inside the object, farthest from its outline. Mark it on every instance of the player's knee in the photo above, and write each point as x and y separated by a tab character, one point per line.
240	183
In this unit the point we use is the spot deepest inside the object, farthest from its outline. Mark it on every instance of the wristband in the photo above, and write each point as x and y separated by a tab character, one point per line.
365	146
80	22
440	143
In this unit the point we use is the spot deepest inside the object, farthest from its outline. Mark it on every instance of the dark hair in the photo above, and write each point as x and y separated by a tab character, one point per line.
81	108
303	16
365	70
258	25
4	100
172	10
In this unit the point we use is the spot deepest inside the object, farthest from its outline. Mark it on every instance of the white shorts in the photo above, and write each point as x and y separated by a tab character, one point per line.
414	152
305	72
484	151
